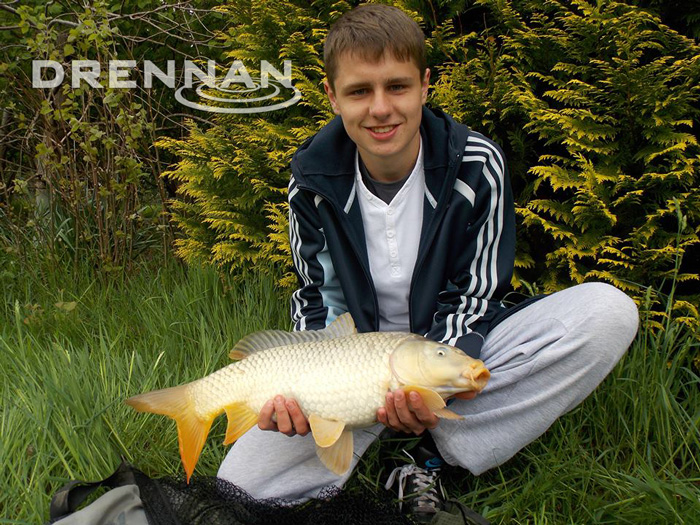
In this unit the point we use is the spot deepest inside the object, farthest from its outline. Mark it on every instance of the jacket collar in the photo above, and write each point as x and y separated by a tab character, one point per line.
325	163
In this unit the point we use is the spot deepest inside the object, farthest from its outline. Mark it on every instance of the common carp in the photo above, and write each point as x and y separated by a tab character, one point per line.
338	377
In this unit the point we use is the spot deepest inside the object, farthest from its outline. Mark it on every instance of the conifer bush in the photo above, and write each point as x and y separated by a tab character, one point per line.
596	105
233	177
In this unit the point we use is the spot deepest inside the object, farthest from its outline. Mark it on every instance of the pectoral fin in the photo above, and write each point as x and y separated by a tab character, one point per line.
240	420
431	398
337	457
446	413
325	431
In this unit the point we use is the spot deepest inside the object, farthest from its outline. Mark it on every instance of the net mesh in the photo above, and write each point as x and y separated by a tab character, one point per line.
213	501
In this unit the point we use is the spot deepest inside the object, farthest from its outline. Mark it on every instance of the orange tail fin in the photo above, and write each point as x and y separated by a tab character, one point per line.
192	430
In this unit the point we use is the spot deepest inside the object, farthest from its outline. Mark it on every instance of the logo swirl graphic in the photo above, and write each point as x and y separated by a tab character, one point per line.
239	94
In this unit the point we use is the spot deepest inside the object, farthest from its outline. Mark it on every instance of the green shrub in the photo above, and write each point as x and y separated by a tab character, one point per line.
78	172
596	105
233	177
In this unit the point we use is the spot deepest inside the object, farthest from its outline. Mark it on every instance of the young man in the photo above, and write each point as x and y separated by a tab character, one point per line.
405	219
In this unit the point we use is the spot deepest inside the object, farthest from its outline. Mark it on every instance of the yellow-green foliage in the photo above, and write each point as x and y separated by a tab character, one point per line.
595	104
233	177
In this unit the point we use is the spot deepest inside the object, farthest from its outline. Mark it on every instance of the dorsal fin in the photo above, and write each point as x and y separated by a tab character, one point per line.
342	326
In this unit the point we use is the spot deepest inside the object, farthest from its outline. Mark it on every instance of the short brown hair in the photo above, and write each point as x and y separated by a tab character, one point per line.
368	31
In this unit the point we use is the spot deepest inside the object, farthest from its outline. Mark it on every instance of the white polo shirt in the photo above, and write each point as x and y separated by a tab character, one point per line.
392	233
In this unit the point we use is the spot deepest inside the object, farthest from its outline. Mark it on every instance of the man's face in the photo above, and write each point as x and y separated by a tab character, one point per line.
380	104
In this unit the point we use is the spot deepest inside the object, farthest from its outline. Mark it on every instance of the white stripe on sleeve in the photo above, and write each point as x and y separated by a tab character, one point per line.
483	269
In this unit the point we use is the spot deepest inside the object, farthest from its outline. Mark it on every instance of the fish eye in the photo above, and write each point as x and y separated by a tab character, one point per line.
441	352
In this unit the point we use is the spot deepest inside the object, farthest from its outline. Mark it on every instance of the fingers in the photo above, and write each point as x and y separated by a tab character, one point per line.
423	414
285	416
265	421
299	421
406	415
390	416
284	421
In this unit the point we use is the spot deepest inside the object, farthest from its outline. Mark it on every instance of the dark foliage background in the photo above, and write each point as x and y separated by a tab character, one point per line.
595	104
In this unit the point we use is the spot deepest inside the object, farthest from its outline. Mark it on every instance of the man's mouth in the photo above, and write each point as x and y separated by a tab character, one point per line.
382	129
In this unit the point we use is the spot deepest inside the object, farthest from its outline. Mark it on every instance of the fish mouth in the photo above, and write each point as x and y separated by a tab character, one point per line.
475	377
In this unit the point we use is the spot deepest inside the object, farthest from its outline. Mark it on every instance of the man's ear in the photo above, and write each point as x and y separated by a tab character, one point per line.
425	84
331	96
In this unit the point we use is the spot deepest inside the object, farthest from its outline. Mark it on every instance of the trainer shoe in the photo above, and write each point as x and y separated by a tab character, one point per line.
419	486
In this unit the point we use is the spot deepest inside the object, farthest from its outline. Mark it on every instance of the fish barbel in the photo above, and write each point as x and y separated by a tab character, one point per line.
338	377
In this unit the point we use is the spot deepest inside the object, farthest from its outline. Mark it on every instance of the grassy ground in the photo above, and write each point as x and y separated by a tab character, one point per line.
72	348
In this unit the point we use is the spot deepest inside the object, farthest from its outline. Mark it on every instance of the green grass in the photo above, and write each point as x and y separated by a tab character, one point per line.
65	374
629	454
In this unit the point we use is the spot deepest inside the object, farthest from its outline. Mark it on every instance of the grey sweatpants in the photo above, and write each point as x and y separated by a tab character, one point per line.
544	360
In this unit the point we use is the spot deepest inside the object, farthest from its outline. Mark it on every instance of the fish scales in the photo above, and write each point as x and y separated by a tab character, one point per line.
344	379
338	377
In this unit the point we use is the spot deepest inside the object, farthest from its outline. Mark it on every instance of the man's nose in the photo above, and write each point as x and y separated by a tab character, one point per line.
380	106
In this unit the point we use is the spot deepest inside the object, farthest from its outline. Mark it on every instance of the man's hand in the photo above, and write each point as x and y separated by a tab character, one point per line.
406	414
410	415
283	415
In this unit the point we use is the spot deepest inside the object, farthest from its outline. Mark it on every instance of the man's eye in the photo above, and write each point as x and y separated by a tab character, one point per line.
397	87
359	92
